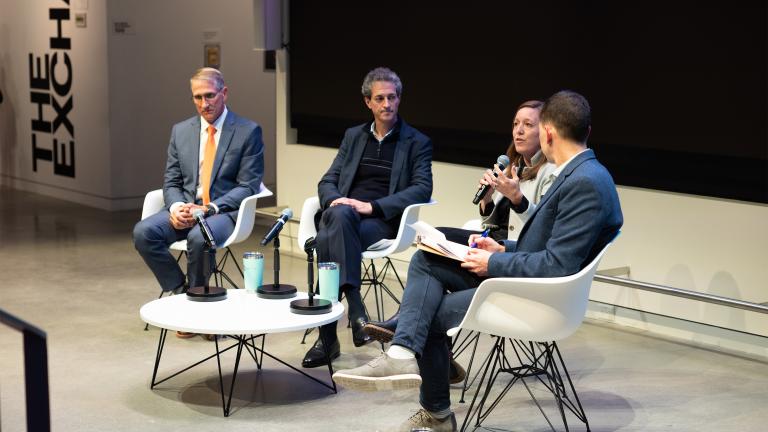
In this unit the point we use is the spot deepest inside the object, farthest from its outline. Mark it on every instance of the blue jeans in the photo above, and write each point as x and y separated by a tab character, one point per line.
436	298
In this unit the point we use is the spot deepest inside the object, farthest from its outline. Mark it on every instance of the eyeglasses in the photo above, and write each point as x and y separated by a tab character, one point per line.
207	96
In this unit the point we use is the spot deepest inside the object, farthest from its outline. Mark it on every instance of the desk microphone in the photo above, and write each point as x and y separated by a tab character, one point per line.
206	293
502	161
311	305
310	245
277	226
199	216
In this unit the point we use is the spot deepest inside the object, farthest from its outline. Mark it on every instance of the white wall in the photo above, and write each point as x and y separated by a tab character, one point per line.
702	244
149	81
697	243
25	28
128	89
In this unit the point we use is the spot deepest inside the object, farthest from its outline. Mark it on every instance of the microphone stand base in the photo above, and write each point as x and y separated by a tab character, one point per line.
272	291
318	306
210	294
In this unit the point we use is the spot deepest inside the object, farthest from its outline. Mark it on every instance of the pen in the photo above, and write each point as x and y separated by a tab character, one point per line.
484	234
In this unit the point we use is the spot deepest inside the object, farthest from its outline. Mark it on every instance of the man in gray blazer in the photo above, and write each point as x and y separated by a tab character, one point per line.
215	160
382	167
573	222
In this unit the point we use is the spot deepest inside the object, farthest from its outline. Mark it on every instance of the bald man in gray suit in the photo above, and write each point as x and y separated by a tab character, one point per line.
215	160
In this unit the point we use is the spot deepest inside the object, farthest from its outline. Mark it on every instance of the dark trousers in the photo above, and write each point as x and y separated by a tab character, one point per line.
153	235
436	298
342	237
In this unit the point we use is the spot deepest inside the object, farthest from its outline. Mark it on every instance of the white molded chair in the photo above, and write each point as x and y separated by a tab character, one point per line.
307	228
404	239
529	315
372	278
153	203
246	217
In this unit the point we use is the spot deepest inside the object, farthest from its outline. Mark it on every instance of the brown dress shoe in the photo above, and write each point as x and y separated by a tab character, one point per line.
185	335
382	331
458	374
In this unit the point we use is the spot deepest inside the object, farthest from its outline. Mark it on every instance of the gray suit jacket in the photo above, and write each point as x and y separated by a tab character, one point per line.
411	180
237	169
576	218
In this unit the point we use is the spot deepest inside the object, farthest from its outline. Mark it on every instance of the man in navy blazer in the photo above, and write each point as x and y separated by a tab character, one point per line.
577	217
235	146
382	167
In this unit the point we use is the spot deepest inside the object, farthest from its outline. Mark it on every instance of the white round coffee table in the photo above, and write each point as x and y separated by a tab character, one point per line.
242	316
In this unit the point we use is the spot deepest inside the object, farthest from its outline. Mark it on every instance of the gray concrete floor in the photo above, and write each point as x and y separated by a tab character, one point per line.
72	271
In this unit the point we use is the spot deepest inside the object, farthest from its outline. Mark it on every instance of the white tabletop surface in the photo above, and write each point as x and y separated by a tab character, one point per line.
242	313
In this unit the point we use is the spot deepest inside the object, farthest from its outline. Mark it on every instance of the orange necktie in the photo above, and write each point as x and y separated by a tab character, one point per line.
208	157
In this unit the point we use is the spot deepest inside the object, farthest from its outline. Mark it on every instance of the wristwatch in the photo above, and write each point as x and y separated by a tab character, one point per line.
211	210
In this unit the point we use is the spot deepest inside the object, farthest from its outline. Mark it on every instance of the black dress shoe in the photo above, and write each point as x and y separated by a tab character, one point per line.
359	336
383	331
316	355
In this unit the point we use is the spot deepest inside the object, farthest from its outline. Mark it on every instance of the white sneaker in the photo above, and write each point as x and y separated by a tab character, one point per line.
424	420
381	373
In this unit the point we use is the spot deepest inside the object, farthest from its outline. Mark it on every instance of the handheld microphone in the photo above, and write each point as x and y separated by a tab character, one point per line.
278	225
502	161
204	228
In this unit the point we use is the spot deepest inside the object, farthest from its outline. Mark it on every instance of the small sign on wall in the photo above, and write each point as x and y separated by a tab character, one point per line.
211	35
212	55
123	27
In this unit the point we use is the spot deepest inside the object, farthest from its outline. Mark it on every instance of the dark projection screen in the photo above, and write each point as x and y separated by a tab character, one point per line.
678	89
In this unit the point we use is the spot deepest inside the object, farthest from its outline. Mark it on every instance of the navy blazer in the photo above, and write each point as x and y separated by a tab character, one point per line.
576	218
238	168
411	180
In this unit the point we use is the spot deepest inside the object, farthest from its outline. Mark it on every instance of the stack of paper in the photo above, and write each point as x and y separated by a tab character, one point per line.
431	240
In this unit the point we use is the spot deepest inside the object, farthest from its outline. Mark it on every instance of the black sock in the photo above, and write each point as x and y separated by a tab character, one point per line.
329	332
354	302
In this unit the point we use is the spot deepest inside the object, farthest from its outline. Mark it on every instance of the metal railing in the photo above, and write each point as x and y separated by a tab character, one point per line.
605	276
35	372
